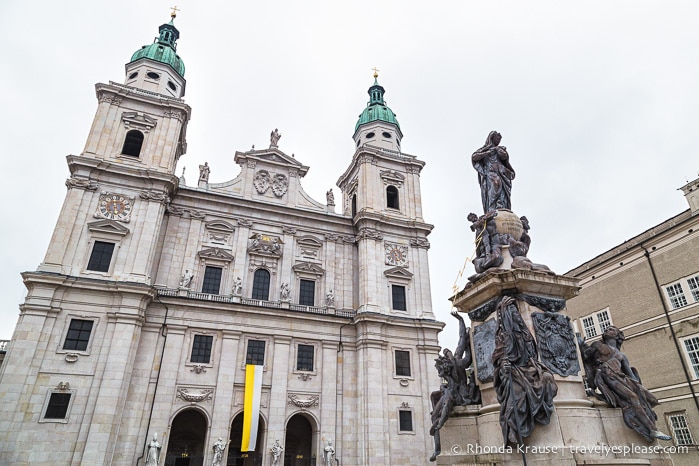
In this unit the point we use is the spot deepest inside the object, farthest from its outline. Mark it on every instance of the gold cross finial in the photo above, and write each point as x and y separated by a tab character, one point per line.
173	14
376	72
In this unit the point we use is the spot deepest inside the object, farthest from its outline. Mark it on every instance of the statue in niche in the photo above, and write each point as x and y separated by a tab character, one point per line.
329	454
459	387
495	174
607	369
285	292
276	450
524	387
204	171
330	298
219	448
153	456
274	138
238	287
186	279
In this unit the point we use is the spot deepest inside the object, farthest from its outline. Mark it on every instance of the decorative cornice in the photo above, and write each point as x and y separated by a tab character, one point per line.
183	212
392	177
419	243
179	116
308	267
81	183
110	99
157	196
138	121
309	402
194	397
289	230
215	253
370	233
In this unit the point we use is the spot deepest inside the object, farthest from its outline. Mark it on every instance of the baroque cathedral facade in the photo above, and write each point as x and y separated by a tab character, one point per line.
154	296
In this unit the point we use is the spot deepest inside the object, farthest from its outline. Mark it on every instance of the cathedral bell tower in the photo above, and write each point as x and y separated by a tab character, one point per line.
381	192
121	183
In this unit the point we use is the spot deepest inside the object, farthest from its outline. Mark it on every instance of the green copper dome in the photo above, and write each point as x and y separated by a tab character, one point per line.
376	109
163	49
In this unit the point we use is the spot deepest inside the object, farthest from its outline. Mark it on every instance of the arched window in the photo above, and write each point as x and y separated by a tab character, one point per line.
260	285
133	143
392	197
354	205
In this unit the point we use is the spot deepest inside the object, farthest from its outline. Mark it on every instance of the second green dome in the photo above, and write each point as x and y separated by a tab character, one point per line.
163	50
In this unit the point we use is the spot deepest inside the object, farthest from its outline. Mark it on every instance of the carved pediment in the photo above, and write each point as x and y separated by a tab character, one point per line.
108	227
309	247
134	120
216	253
398	273
392	177
271	159
308	268
219	232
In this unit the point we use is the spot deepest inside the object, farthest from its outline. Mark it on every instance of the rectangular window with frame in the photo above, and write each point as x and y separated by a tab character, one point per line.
595	324
405	419
78	335
402	363
680	429
201	349
307	290
304	358
57	407
694	287
691	346
398	297
101	256
676	295
256	353
212	280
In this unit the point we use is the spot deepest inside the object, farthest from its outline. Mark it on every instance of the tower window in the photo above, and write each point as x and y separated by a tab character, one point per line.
101	256
171	85
133	143
386	135
354	205
133	75
260	285
201	349
405	420
403	363
392	197
398	295
153	75
57	407
256	353
212	280
307	290
78	335
304	358
370	135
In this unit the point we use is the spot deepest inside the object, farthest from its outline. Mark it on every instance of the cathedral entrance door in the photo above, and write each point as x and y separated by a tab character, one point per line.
298	446
244	458
187	436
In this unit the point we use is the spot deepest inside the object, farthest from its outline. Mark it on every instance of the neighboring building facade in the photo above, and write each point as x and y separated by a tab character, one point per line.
648	286
153	296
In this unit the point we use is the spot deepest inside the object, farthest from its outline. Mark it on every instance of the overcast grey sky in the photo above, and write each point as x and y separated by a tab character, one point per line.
596	102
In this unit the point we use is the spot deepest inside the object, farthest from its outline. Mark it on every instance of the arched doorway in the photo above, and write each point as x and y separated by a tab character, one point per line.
244	458
298	444
185	446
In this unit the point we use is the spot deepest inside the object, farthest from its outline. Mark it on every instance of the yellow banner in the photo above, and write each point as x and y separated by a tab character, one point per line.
251	409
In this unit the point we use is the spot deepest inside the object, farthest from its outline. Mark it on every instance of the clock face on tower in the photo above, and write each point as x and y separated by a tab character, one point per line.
396	254
114	206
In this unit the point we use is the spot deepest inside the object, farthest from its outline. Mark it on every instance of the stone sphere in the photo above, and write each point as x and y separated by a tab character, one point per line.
507	222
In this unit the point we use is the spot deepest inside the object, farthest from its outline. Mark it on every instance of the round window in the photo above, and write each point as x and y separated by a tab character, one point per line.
386	135
370	135
153	75
133	75
171	85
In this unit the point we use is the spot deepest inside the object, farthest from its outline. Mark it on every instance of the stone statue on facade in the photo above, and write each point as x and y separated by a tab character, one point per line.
330	298
495	174
219	447
274	138
612	379
285	292
459	386
238	287
186	279
204	171
329	454
525	388
276	451
153	456
330	197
